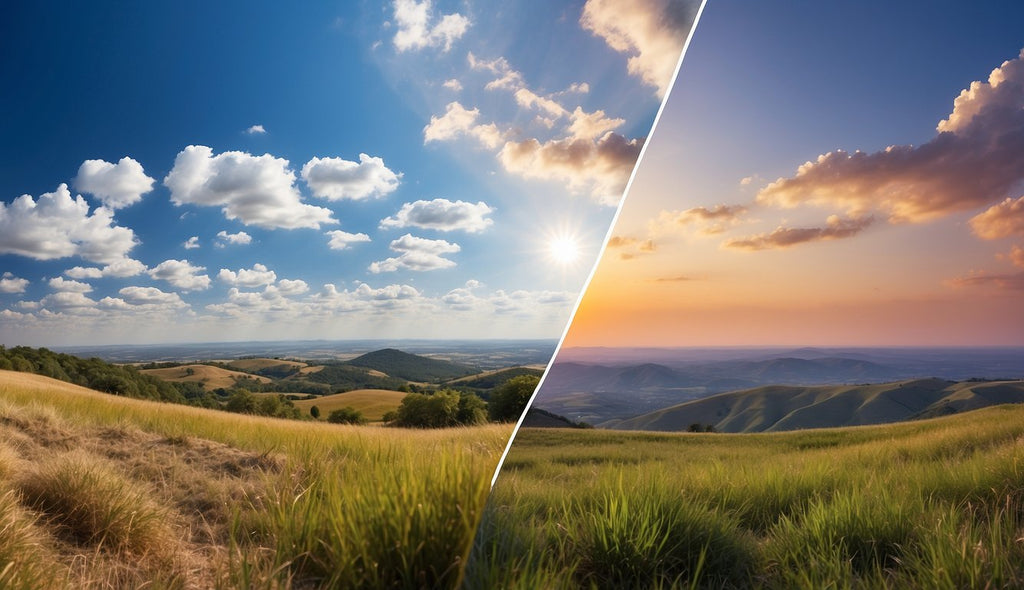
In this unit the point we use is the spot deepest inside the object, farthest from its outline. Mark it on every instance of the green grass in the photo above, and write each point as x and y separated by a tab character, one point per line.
127	492
928	504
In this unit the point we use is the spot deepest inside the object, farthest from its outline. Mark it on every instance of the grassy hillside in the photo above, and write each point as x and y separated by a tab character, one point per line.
208	376
784	407
935	503
411	367
373	403
98	491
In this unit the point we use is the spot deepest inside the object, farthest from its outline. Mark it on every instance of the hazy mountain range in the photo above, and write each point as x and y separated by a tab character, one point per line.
602	385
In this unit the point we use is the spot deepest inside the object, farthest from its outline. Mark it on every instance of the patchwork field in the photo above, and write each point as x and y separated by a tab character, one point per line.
100	491
935	503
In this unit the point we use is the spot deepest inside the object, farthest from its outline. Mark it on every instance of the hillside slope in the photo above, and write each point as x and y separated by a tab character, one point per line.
784	407
411	367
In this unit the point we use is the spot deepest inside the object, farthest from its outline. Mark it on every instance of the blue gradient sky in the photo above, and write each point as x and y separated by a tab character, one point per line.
469	257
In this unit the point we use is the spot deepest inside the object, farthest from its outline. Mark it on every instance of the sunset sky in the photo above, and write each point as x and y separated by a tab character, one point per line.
828	174
211	171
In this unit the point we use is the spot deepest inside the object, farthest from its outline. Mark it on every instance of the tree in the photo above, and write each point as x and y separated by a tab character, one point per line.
472	410
241	401
346	415
438	410
510	398
314	412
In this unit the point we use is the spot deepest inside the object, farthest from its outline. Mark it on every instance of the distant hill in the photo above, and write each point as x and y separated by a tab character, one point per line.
785	407
345	376
492	379
538	418
411	367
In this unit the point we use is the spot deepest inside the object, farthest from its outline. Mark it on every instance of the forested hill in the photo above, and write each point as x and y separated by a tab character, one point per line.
411	367
92	373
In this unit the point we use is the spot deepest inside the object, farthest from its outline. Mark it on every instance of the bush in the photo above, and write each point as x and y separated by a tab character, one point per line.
346	415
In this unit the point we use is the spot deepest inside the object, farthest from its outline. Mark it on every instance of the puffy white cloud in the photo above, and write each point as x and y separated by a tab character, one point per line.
83	272
529	99
1001	220
443	215
453	84
256	190
600	168
418	254
58	226
256	130
976	159
592	125
257	276
182	274
191	243
241	238
335	179
458	120
418	27
784	237
61	284
506	77
67	300
12	284
341	239
288	287
150	296
651	32
115	185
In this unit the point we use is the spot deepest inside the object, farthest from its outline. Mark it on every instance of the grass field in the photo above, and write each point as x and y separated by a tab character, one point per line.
209	377
373	403
928	504
98	491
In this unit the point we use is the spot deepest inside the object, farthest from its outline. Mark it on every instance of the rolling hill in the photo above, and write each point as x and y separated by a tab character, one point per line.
785	407
208	376
411	367
373	403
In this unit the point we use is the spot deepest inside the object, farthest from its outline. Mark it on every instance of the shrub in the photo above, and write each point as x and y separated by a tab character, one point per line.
346	415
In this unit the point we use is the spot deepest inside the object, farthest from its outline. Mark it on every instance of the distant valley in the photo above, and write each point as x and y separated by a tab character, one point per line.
609	387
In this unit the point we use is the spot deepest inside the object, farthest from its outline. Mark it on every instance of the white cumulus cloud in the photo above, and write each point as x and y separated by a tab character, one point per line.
12	284
58	226
256	276
418	254
115	185
61	284
191	243
443	215
418	27
341	239
182	274
256	190
335	179
241	238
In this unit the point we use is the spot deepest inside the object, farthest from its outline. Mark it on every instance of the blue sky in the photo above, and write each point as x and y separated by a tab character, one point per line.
753	219
232	170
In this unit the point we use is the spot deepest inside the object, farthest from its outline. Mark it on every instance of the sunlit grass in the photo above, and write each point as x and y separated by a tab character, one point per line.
314	505
929	504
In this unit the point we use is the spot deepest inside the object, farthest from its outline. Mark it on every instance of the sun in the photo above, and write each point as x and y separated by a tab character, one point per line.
564	250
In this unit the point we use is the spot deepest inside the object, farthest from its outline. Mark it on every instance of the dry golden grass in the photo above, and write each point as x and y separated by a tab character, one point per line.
209	377
373	403
110	492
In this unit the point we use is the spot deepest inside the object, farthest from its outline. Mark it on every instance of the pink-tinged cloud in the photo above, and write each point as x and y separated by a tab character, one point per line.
1000	221
976	159
785	237
1008	281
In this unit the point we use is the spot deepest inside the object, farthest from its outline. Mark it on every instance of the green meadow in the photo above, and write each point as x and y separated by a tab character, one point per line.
99	491
933	503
